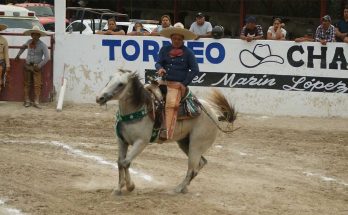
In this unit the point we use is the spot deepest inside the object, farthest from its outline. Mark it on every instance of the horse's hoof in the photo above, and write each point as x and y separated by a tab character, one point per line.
130	187
116	193
182	190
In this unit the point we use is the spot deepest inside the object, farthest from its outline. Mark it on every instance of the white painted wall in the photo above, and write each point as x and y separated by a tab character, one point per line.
84	61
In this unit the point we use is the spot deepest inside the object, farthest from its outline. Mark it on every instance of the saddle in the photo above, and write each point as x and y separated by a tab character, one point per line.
189	107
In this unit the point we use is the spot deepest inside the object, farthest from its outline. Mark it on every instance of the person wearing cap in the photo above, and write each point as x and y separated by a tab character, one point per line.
178	66
276	31
201	27
4	58
325	32
251	31
341	29
33	64
308	37
165	23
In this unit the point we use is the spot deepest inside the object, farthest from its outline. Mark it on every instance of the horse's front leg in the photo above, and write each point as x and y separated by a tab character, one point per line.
122	153
138	146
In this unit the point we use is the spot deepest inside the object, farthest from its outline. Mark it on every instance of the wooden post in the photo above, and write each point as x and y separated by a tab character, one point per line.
119	6
241	14
176	14
323	8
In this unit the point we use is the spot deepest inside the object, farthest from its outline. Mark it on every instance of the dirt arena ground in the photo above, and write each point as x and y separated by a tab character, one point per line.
65	163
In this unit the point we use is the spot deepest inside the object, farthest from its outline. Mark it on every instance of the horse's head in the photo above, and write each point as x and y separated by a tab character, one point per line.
117	86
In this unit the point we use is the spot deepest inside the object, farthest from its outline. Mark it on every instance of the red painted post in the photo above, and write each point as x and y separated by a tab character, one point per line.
241	14
323	8
119	6
176	15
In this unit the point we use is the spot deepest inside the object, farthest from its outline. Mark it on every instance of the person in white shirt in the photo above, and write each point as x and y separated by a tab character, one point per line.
201	27
276	31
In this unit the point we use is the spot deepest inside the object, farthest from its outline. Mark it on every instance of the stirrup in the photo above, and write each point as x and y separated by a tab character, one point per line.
163	136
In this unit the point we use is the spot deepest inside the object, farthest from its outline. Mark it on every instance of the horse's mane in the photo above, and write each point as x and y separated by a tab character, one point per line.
140	96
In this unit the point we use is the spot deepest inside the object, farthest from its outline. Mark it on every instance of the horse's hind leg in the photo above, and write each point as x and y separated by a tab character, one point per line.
193	169
184	145
198	144
122	150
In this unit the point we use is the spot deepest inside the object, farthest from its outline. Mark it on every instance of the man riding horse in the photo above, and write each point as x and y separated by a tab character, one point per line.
178	66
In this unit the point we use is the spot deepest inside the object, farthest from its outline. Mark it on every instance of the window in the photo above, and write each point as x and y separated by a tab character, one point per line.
77	26
21	23
42	11
97	26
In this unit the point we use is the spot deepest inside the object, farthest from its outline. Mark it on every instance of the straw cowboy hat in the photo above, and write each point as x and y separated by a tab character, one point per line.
2	27
178	28
261	54
35	30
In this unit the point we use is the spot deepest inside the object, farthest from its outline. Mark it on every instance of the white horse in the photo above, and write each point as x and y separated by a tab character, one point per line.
194	136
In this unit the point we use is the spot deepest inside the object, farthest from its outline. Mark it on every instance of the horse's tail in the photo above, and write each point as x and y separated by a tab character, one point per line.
226	111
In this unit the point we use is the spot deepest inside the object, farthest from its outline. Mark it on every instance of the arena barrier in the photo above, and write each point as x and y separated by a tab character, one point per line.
260	77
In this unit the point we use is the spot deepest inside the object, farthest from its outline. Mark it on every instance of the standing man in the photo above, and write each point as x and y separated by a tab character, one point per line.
201	27
251	31
178	64
33	64
325	32
342	26
4	58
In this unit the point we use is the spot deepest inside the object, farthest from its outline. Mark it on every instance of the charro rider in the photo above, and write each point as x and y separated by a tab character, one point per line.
178	65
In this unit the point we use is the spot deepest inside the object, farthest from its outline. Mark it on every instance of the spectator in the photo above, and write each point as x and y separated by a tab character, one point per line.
325	32
201	27
276	31
308	37
342	26
33	64
165	23
139	30
4	58
112	29
251	31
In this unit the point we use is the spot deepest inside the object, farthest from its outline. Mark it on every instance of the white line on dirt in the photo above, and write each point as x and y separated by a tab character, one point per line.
7	210
325	178
99	160
80	153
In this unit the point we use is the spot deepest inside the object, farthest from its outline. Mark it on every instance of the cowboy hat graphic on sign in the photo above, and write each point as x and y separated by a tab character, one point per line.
261	54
